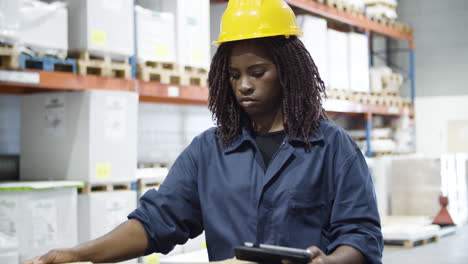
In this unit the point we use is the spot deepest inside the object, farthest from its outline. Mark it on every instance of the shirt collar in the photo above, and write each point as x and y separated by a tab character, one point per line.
246	136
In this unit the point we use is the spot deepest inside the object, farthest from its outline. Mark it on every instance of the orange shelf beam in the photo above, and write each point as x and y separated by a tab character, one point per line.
160	93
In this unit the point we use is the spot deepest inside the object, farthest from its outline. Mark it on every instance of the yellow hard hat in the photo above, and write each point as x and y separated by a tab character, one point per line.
248	19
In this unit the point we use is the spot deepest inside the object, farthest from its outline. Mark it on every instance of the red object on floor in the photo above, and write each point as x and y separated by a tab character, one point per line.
443	218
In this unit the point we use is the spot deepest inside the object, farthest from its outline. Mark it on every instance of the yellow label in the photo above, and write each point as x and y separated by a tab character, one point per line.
161	51
99	38
204	244
152	259
103	171
197	56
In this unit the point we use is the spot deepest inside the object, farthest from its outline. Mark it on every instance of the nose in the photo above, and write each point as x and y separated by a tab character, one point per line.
246	86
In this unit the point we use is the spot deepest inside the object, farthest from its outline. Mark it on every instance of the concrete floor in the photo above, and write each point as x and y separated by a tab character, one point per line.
451	249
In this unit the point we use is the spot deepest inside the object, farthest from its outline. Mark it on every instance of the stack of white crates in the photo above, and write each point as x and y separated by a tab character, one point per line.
89	136
315	40
102	27
39	215
44	27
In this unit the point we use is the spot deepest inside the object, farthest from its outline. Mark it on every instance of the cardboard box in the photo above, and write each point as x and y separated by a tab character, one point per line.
315	40
338	66
44	27
358	62
40	215
101	26
101	212
155	35
87	135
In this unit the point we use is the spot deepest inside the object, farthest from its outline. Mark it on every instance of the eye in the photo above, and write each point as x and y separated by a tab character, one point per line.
234	76
258	74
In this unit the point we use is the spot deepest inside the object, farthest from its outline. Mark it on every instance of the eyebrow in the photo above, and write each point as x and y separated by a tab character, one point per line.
252	66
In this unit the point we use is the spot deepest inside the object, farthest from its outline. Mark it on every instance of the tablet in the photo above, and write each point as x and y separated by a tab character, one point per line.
271	254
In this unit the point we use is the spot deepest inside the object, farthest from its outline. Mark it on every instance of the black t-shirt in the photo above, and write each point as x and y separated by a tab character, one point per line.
269	143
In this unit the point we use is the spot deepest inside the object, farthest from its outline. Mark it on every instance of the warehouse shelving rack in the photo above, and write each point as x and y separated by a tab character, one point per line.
29	81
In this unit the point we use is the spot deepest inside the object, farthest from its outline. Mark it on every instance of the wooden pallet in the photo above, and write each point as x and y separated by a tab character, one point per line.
148	183
9	56
105	187
165	73
360	97
339	94
194	76
411	243
47	63
102	65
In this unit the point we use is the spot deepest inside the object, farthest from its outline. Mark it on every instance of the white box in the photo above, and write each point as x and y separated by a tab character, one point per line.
41	215
44	27
193	30
379	169
338	66
87	135
102	26
160	133
196	119
9	20
101	212
315	40
155	34
358	62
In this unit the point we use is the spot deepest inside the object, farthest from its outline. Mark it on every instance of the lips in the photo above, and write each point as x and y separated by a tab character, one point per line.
247	102
247	99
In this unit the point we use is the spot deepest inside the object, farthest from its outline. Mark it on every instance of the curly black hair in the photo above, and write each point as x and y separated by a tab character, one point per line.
301	89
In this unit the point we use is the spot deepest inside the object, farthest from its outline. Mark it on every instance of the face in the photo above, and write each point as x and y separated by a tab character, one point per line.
254	80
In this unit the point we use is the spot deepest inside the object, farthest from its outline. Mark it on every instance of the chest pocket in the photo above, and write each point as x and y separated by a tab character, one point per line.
305	218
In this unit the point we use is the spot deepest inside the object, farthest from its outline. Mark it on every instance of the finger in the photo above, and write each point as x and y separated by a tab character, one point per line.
318	260
285	261
314	252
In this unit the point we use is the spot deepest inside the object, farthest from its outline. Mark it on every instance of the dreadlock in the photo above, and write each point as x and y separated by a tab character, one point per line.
298	77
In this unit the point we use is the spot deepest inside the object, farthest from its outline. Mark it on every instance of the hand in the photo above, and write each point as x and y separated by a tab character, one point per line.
63	255
316	257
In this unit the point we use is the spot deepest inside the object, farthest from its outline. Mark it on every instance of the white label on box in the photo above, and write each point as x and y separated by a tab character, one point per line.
115	118
173	91
115	212
55	115
7	216
44	222
19	77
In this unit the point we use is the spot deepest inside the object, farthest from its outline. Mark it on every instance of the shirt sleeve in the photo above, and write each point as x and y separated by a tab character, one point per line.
172	214
354	219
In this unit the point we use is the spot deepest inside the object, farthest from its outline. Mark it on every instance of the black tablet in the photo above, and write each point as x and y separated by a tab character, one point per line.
271	254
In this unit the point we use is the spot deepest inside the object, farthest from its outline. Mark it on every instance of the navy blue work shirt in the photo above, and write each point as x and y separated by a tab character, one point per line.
323	197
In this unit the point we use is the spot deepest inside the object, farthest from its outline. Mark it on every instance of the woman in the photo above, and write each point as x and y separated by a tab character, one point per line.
273	171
